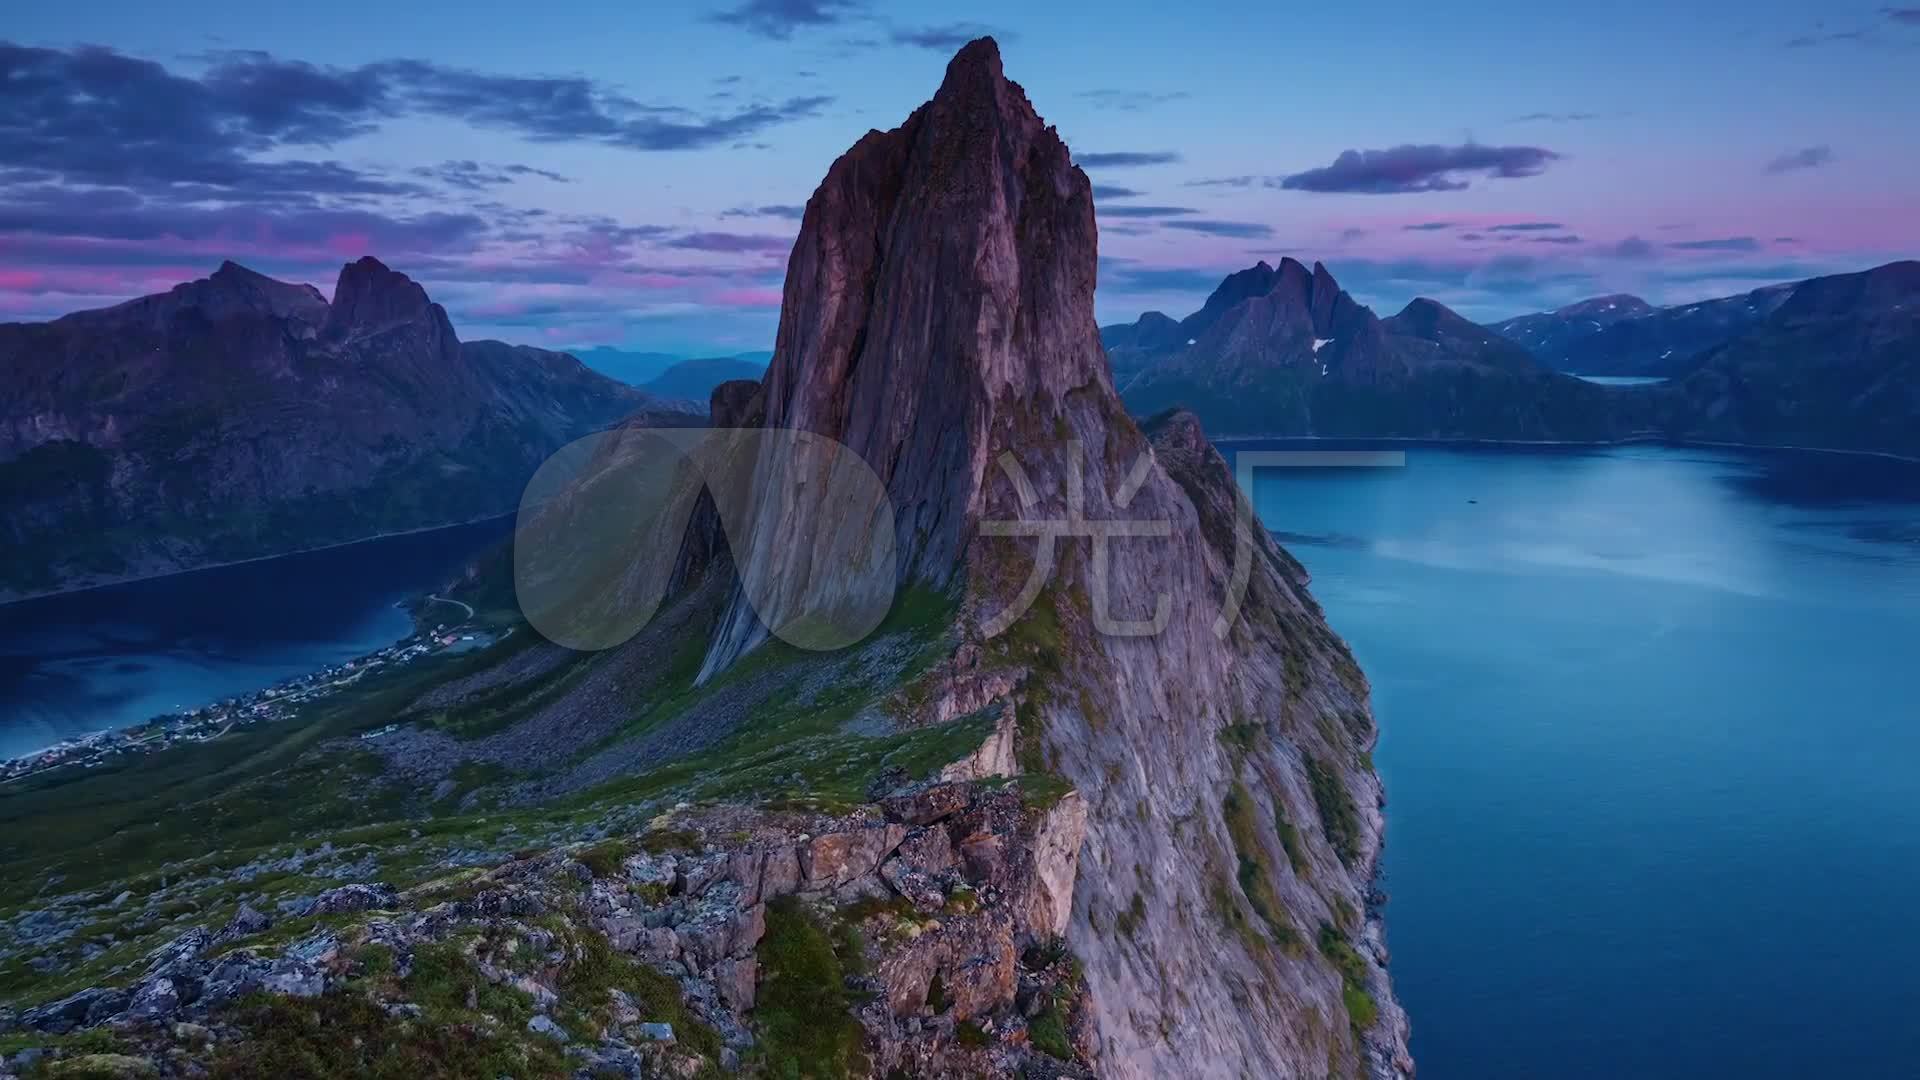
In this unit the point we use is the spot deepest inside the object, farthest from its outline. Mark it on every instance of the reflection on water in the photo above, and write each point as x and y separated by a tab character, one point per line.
1622	380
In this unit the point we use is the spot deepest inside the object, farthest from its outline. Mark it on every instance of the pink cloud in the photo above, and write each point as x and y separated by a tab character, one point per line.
747	298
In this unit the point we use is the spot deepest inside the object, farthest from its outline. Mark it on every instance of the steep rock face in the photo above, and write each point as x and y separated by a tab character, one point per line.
1284	351
942	268
938	320
253	417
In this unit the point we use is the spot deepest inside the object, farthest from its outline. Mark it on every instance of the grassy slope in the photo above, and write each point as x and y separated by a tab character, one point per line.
172	826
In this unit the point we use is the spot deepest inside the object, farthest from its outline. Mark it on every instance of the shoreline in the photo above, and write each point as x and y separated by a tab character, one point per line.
248	708
1590	444
131	578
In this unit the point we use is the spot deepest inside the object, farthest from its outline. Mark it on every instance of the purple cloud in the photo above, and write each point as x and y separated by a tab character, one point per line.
1129	100
789	211
1410	168
778	19
946	38
474	176
1556	118
1726	243
1120	159
1128	210
731	242
1811	157
1633	247
93	115
1244	230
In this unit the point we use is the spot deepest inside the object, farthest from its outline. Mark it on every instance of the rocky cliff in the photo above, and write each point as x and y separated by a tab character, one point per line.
938	320
239	416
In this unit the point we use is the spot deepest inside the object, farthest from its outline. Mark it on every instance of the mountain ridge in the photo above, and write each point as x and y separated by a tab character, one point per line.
1818	364
1633	338
1284	351
238	416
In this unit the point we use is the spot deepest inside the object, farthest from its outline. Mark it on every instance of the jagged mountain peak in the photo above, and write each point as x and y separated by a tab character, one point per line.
937	321
370	296
1236	288
943	269
233	271
976	72
282	298
231	291
1268	314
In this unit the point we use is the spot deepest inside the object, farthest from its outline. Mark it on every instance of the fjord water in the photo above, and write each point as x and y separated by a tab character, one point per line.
1651	741
104	658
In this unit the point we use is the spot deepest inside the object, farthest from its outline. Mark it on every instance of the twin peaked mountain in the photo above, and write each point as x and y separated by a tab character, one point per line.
1285	351
239	416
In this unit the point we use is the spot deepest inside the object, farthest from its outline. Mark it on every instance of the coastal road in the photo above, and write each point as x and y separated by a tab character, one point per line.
456	603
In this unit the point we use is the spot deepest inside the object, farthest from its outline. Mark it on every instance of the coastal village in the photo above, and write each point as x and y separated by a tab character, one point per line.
281	701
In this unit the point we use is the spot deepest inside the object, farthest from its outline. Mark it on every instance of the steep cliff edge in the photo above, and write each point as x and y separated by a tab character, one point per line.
938	320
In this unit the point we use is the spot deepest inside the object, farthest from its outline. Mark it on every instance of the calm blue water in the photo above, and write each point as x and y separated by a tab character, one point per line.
105	658
1623	380
1652	749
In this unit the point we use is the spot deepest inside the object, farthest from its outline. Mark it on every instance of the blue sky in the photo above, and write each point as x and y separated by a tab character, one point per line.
602	174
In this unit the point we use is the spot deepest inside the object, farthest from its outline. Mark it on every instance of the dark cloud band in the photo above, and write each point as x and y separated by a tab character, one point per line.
1410	168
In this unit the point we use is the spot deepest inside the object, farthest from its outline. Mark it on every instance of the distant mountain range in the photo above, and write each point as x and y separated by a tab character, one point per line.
1625	335
239	416
1837	364
1285	351
694	380
1832	362
678	375
632	368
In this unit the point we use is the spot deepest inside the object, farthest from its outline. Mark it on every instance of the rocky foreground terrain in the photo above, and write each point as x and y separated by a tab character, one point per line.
921	934
1081	804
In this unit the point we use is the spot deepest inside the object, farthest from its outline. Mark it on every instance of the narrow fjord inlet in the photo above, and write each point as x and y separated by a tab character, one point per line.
735	539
